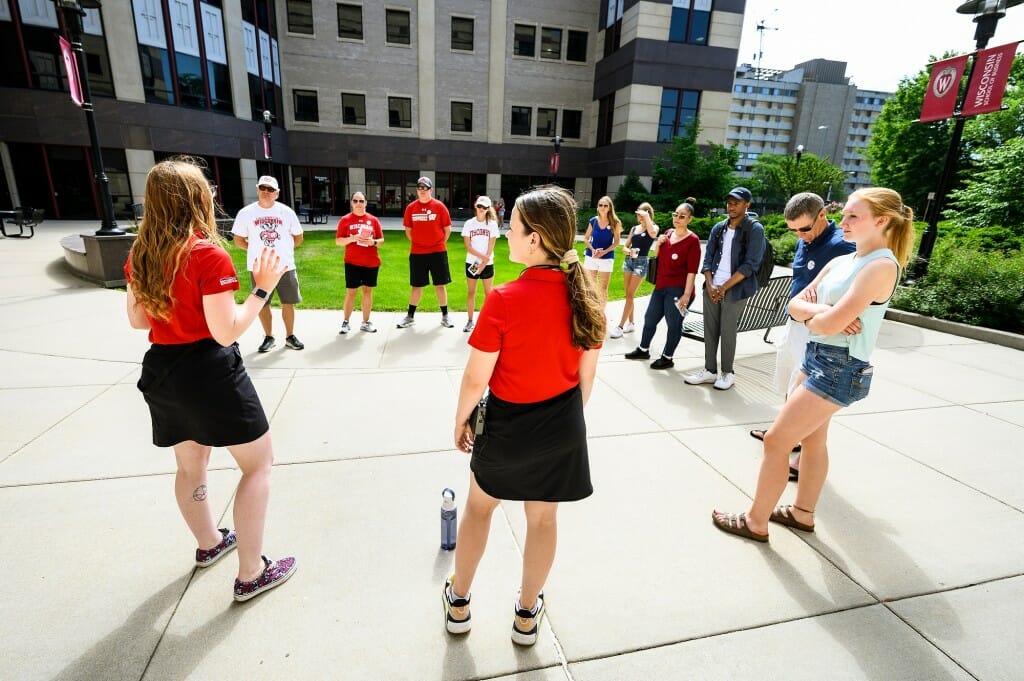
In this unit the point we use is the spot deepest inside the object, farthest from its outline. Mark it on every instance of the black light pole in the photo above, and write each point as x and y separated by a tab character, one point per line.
557	142
73	11
987	15
268	118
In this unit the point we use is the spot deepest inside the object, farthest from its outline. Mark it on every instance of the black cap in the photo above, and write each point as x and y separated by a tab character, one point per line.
741	193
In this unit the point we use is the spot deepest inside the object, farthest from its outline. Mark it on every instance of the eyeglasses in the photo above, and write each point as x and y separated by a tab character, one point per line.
422	187
358	200
213	190
803	230
481	207
680	214
265	188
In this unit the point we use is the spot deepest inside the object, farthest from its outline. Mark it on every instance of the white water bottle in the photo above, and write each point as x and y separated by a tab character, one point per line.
449	516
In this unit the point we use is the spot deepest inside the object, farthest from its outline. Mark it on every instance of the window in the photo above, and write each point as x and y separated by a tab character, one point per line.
678	109
605	120
462	34
400	111
525	41
306	106
521	120
462	117
690	22
571	122
576	47
397	27
353	109
350	21
550	43
300	16
547	120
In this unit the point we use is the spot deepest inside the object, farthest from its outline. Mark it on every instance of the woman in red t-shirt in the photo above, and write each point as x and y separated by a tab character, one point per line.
181	286
533	442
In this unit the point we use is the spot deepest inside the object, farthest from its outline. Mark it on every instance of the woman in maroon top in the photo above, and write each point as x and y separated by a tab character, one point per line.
678	252
181	286
533	445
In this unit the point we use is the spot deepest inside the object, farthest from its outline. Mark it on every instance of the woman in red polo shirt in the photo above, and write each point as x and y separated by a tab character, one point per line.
533	446
181	286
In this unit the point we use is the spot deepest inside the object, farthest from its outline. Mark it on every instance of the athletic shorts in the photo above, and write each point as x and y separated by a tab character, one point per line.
360	275
598	264
427	267
484	273
287	289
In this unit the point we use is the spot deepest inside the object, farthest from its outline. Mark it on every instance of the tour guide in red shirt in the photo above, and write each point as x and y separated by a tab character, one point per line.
427	224
531	445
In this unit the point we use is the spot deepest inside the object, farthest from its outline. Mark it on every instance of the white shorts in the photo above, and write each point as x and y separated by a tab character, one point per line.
789	356
598	264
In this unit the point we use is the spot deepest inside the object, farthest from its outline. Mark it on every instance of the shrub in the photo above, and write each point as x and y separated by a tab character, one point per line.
631	193
784	248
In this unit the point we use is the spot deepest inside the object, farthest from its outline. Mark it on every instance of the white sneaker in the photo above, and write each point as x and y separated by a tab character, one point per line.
345	328
406	322
702	376
616	332
628	328
446	322
725	381
368	327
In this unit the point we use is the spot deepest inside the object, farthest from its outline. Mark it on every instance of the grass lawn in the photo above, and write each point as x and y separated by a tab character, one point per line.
320	263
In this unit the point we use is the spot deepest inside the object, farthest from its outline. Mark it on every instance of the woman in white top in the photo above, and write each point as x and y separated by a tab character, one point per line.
479	233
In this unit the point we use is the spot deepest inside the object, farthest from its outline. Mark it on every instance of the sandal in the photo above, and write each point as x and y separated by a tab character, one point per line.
783	515
758	434
736	523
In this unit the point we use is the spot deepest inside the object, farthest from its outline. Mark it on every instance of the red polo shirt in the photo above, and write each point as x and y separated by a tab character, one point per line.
529	322
427	222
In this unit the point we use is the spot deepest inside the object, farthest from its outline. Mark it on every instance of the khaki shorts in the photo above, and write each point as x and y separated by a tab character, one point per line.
287	289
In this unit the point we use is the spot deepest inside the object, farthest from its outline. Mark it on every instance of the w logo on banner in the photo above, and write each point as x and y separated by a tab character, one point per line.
943	88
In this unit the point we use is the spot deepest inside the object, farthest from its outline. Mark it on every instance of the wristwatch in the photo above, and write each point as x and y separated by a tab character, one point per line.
261	293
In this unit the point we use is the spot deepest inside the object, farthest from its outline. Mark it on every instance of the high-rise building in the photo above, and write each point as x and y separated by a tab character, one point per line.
362	95
813	105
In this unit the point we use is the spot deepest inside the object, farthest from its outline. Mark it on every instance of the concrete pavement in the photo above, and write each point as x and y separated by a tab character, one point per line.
916	570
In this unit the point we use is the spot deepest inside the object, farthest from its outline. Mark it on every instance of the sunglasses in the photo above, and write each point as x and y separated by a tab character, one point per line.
803	230
422	187
265	188
481	207
680	215
602	205
358	200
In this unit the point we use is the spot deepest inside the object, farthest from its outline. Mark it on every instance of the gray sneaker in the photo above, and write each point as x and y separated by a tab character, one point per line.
469	326
345	328
368	327
446	322
406	322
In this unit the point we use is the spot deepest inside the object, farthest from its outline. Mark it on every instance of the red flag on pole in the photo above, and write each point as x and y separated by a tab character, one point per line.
553	165
266	146
988	81
943	88
71	68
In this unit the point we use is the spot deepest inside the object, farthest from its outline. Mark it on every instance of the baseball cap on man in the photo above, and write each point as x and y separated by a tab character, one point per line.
741	193
268	181
426	181
484	201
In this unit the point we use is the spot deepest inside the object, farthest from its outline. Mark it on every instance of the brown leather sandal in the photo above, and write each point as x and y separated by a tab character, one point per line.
736	523
783	515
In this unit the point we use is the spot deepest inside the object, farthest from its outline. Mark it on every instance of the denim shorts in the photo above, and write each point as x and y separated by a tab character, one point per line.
834	375
637	265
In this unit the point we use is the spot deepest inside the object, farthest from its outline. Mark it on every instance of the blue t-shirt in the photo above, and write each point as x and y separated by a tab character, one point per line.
600	238
811	257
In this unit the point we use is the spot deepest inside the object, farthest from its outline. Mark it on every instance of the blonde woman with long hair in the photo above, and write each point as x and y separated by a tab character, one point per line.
532	445
602	237
843	309
181	285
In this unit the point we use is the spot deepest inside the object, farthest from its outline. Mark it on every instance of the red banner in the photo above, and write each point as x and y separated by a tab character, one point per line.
553	165
943	88
988	80
266	146
71	69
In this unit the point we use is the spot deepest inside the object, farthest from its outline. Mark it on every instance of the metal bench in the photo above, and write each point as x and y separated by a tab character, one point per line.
22	218
766	309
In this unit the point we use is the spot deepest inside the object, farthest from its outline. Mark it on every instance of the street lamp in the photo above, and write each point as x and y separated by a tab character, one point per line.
268	118
824	129
799	153
553	166
73	11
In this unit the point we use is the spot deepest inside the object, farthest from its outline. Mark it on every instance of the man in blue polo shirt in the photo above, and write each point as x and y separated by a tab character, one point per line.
819	240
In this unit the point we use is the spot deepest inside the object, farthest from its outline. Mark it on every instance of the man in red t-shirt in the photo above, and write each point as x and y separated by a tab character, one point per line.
360	233
427	225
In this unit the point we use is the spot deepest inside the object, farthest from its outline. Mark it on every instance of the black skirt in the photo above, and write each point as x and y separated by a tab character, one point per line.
535	451
200	391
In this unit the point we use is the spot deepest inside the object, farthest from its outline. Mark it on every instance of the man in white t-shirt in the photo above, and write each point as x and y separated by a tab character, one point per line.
269	224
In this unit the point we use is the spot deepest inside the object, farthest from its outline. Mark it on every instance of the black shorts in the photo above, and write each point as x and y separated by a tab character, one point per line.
360	275
424	267
484	273
200	391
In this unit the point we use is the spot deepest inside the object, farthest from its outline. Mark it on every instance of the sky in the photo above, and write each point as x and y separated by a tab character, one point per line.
880	40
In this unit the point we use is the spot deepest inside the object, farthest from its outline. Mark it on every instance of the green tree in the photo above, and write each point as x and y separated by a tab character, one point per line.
991	196
777	177
686	169
631	193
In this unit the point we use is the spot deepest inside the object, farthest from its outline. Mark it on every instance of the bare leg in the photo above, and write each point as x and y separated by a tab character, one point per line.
470	297
191	493
415	294
630	283
265	320
254	459
539	552
350	302
472	537
288	314
442	295
603	279
367	302
488	285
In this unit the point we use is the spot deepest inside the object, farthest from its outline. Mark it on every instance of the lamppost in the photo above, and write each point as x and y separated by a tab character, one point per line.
799	153
987	14
824	132
73	11
553	166
268	118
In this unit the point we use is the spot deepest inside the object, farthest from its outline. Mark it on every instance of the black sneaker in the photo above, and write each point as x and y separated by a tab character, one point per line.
294	343
638	354
527	622
662	363
268	342
457	618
